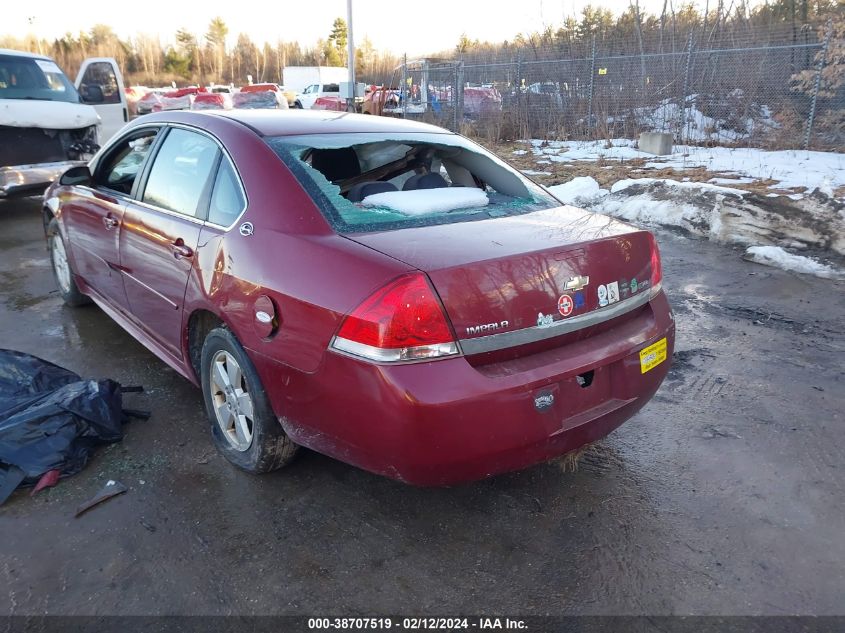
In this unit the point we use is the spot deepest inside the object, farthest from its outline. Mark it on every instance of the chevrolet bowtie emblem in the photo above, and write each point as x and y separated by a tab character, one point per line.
576	283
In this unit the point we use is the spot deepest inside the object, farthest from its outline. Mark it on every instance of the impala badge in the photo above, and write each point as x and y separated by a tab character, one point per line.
246	229
576	283
487	328
544	401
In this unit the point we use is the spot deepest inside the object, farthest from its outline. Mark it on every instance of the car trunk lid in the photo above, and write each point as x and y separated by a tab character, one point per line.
514	281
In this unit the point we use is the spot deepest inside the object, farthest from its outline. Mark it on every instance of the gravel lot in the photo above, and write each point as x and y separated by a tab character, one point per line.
723	496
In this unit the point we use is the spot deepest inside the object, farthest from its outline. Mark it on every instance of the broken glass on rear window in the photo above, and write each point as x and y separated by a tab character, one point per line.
375	181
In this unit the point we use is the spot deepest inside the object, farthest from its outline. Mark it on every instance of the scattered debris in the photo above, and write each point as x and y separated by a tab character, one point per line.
48	480
712	432
569	461
148	526
111	489
51	420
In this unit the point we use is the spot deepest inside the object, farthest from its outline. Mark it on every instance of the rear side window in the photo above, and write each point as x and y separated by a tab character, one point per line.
331	88
181	171
227	199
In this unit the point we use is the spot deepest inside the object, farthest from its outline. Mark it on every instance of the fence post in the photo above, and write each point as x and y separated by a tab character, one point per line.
817	86
403	89
683	108
459	95
592	85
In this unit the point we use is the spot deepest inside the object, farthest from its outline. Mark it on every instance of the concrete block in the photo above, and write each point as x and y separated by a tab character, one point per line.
659	143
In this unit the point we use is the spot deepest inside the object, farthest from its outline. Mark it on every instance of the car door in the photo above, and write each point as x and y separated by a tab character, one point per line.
94	214
309	96
161	231
100	84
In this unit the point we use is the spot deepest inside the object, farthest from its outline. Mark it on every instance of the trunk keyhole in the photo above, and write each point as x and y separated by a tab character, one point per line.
585	379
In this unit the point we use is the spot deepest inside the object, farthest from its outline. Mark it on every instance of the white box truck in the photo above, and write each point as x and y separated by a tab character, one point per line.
312	82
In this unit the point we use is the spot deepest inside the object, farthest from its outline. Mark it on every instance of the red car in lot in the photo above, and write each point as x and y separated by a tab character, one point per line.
381	291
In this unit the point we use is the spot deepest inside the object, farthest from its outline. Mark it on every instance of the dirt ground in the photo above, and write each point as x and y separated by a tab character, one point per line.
723	496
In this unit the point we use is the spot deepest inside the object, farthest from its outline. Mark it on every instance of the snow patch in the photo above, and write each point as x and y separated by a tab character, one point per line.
578	191
697	126
787	169
427	201
731	181
779	258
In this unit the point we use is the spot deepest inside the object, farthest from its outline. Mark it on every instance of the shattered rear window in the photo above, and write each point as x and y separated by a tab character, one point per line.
368	182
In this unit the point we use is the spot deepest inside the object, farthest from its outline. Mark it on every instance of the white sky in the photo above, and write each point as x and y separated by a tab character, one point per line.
413	27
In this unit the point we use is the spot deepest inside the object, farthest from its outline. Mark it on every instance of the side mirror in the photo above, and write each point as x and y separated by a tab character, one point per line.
92	93
79	175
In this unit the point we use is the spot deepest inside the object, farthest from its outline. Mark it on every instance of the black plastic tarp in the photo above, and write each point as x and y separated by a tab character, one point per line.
51	419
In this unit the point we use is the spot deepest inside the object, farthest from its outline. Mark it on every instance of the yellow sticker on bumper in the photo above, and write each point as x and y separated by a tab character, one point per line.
652	356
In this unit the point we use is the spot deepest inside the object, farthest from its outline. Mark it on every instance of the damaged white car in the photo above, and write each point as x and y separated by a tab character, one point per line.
48	124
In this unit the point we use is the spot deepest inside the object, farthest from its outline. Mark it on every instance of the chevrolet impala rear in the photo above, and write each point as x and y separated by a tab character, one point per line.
520	330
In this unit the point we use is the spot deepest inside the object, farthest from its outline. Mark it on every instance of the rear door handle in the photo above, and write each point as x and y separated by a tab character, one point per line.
110	222
180	250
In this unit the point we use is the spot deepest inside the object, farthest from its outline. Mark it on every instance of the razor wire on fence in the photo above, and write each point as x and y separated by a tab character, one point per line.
702	92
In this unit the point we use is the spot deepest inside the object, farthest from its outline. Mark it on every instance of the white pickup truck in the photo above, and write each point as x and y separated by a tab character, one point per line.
312	82
48	124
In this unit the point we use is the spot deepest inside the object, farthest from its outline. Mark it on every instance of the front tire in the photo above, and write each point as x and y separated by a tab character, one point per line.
62	271
243	426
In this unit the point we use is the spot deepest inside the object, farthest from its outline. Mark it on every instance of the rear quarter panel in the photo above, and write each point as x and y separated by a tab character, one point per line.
312	275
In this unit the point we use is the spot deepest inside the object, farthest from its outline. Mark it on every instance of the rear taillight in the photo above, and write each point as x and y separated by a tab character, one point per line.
656	266
402	321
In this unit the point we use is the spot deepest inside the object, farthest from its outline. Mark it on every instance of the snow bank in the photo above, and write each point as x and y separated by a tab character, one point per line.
578	191
779	258
426	201
726	215
647	210
689	185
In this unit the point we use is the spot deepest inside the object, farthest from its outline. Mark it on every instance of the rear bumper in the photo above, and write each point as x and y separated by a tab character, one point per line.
447	422
31	180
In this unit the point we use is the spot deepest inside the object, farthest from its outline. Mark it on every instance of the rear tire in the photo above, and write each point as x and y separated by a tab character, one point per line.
243	426
62	271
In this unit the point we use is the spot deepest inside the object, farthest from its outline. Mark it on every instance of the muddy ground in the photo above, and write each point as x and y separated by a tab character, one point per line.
723	496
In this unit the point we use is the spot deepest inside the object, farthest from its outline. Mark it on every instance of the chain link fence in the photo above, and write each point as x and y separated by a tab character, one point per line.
740	92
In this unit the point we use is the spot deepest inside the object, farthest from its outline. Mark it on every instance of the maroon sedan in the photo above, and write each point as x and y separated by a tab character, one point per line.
381	291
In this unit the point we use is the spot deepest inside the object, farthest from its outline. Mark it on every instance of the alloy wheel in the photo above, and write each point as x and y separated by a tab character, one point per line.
233	404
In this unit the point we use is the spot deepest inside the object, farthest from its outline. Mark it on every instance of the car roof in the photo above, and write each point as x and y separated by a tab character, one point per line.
304	122
9	51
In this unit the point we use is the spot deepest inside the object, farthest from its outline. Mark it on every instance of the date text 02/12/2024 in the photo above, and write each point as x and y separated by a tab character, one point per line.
417	623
